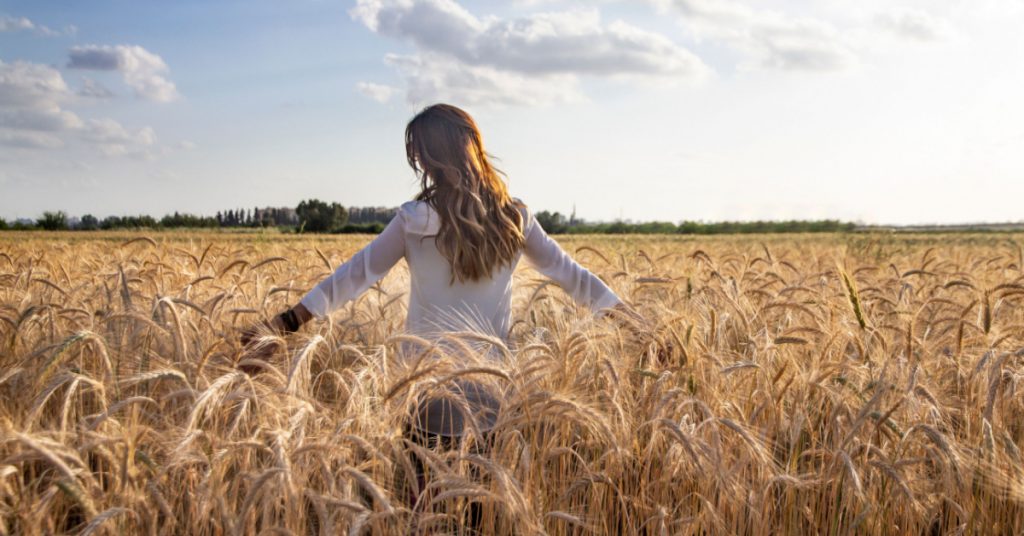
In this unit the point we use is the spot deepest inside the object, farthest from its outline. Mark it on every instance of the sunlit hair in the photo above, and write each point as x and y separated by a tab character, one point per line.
481	225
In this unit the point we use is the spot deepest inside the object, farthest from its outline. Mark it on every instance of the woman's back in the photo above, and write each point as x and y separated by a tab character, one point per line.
439	304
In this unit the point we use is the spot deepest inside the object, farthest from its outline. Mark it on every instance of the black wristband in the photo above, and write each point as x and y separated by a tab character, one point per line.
290	321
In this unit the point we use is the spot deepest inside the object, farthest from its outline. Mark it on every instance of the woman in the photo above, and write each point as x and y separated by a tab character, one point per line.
462	238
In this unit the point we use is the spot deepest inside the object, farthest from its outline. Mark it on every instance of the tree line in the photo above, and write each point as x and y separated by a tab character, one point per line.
556	223
317	216
312	215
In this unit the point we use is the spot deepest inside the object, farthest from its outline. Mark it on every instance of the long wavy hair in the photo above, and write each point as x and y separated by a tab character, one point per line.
481	225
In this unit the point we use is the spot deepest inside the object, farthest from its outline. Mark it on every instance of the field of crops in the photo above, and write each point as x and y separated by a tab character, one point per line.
852	384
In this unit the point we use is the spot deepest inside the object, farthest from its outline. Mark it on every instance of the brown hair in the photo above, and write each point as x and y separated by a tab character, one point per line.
481	225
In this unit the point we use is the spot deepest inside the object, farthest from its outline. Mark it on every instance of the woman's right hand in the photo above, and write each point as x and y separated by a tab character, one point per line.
258	346
259	343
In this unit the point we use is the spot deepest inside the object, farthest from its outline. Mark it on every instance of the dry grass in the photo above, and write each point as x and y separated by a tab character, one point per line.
821	385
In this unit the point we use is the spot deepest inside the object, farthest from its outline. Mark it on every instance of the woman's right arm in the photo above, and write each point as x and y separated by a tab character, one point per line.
551	260
360	272
351	279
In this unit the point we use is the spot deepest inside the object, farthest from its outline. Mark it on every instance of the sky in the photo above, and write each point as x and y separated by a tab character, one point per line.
877	111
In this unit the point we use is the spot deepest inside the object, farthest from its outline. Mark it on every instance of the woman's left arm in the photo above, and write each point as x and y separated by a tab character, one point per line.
551	260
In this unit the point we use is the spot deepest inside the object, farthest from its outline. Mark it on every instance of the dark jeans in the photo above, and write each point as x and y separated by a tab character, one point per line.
432	417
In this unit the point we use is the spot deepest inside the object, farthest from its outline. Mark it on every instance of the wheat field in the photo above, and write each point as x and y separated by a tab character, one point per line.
850	384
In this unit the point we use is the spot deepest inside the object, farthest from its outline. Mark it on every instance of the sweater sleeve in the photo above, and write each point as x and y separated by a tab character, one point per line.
360	272
551	260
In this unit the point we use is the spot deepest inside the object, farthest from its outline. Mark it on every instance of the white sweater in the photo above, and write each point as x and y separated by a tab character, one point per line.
437	305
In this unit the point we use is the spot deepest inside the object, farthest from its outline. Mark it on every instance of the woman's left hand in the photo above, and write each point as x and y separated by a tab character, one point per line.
644	333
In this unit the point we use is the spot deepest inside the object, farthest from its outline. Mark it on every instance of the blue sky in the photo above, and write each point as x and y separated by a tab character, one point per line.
898	111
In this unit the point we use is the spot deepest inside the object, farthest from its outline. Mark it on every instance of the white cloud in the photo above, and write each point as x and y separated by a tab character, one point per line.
142	70
799	44
914	25
93	89
431	78
15	24
46	120
713	15
378	92
494	59
114	139
110	131
574	42
770	39
31	96
32	115
29	140
31	85
12	24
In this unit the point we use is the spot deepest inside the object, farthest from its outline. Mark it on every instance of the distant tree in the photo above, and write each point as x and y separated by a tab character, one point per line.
53	221
257	217
110	222
357	215
552	222
3	224
288	216
361	228
187	220
655	227
619	227
89	223
128	222
266	218
318	216
145	220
